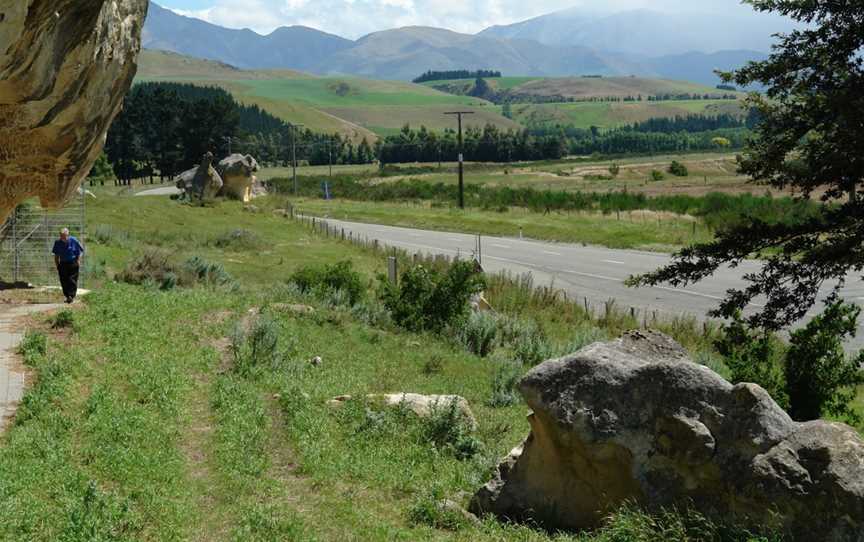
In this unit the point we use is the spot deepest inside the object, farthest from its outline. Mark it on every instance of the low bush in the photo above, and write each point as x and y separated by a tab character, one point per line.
34	344
657	175
431	509
327	279
429	300
239	239
255	348
63	319
200	270
478	333
678	169
151	266
449	430
505	380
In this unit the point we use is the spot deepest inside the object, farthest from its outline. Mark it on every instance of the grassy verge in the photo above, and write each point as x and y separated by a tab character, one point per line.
637	229
181	415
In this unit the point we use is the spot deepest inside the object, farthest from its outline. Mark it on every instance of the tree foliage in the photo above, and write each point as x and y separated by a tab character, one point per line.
820	378
810	137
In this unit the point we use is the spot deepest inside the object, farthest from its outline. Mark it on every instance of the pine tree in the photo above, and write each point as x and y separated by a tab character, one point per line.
810	136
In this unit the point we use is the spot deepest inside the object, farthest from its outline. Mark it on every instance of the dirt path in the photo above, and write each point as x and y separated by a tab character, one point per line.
13	376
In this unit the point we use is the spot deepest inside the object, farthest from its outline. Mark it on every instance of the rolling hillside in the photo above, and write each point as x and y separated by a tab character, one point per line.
351	106
615	114
580	87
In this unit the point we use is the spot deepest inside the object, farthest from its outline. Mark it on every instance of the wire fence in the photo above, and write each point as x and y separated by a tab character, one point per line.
28	235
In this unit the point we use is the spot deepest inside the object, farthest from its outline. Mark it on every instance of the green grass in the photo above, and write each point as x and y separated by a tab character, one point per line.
142	426
646	231
612	115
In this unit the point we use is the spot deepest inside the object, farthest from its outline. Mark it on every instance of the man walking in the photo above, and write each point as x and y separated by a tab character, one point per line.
67	256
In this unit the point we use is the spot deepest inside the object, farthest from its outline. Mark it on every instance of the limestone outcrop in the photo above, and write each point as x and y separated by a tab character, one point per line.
65	66
635	419
238	174
421	405
202	182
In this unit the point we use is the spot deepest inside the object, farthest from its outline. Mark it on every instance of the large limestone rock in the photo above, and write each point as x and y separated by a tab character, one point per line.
202	182
65	66
238	174
635	419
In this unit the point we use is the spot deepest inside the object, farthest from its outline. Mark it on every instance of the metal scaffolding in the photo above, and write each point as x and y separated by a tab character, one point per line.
28	235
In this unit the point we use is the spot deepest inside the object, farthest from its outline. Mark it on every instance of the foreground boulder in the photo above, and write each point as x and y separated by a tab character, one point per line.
635	419
238	174
65	66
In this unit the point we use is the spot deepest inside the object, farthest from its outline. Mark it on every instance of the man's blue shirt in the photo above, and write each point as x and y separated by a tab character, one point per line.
69	251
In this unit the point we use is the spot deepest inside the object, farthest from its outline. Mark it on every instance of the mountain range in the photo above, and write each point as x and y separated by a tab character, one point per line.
643	42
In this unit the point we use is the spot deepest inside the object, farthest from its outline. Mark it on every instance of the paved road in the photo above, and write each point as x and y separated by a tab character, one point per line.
591	272
11	375
164	191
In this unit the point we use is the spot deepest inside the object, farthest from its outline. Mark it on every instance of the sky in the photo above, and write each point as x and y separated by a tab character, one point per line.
355	18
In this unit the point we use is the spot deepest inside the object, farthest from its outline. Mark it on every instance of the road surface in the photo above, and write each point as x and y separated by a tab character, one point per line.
591	272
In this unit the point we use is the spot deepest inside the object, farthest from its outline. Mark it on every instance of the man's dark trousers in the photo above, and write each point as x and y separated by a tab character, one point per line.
68	272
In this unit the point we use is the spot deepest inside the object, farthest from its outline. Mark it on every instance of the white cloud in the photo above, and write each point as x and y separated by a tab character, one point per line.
355	18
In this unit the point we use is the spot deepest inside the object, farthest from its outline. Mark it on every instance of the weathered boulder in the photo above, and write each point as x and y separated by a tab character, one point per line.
634	419
202	182
65	66
421	405
238	174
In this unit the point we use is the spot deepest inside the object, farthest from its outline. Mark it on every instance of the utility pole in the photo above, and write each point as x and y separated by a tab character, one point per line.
461	157
294	154
229	139
330	154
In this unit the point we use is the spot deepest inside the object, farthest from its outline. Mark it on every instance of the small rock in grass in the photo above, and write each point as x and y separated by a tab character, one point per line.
316	361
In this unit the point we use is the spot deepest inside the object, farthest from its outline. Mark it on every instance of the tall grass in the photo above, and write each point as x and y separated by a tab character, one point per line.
715	209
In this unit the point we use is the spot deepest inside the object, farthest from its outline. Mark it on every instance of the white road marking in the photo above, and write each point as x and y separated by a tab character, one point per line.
549	252
500	246
614	261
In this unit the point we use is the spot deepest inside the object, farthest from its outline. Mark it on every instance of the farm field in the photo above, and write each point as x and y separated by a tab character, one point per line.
363	108
350	106
606	115
707	173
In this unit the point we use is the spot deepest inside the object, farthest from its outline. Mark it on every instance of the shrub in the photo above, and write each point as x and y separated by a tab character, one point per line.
108	235
200	270
614	170
256	348
63	319
238	239
753	356
478	333
678	169
820	378
505	380
448	429
330	278
657	175
429	300
153	266
35	344
431	509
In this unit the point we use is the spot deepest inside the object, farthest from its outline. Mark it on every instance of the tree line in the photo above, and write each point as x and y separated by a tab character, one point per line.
432	75
165	129
486	144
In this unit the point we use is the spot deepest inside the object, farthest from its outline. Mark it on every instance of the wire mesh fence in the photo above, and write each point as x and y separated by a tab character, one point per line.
28	235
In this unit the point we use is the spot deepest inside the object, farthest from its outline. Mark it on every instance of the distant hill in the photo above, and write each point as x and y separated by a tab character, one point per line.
559	44
351	106
581	88
295	47
648	33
